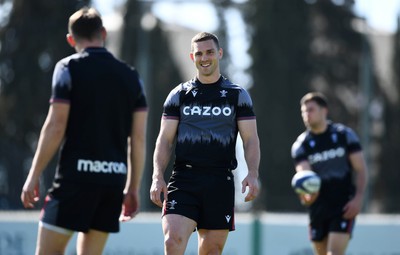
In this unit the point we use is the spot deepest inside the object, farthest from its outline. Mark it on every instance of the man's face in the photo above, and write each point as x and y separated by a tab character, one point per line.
313	115
206	56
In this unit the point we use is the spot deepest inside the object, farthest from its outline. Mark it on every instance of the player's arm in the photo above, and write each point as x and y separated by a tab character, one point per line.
51	136
306	199
136	161
251	146
360	167
161	158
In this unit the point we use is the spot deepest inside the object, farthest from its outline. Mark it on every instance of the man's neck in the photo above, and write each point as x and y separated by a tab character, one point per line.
88	44
319	129
208	79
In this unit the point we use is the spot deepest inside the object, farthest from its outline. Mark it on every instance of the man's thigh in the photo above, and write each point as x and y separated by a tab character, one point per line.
51	241
91	243
177	230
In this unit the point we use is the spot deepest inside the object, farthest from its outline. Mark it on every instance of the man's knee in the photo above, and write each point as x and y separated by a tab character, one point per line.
174	242
211	249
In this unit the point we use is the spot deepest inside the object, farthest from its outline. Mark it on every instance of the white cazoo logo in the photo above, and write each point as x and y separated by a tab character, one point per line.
207	111
326	155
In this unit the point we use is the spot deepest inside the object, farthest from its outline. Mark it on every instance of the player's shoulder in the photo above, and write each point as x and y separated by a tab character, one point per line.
174	95
62	67
350	135
298	147
228	84
300	140
244	98
340	128
183	87
187	85
72	59
124	68
66	60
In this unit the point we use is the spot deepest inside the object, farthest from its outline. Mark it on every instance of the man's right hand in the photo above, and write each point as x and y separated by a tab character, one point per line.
158	186
308	199
30	193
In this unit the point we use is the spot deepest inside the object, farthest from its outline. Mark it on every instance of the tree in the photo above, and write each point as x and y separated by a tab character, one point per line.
280	51
389	175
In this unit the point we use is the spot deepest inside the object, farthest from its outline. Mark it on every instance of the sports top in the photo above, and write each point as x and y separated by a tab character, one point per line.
328	154
208	116
103	93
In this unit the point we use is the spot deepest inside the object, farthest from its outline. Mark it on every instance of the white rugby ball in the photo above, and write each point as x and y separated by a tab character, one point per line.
306	182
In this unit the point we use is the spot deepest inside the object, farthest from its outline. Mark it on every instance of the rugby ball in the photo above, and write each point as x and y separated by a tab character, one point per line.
306	182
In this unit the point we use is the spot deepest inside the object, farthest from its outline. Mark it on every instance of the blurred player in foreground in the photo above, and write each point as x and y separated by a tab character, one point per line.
204	116
333	151
98	116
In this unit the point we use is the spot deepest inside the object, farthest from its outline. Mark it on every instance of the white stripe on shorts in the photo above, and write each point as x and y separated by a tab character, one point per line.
60	230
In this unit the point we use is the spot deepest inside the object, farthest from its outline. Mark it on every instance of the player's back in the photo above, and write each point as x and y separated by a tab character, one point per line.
103	93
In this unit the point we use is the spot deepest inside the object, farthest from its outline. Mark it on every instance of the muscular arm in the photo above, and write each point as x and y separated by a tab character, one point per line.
161	158
50	139
136	160
251	146
354	206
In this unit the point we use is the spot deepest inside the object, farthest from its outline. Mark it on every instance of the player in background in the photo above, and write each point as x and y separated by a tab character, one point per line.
98	117
333	151
203	116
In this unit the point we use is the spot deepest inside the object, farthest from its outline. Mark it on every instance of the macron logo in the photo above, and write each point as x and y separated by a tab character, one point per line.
96	166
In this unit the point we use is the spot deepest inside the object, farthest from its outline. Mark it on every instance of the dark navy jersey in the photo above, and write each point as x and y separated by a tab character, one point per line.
208	116
328	155
103	93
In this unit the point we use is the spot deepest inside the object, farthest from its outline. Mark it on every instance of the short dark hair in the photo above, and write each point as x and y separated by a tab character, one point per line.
86	23
204	36
316	97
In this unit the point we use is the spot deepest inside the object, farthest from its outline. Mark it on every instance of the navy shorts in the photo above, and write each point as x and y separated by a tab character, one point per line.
319	229
206	196
83	207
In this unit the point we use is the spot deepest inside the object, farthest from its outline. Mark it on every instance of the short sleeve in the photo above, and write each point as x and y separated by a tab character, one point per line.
298	151
353	142
245	106
61	84
140	102
172	104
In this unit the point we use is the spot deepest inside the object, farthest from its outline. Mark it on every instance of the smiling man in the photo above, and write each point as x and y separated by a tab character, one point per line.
203	116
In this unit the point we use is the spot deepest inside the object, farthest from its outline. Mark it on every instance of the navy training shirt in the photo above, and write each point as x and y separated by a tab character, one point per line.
208	116
103	93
